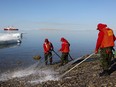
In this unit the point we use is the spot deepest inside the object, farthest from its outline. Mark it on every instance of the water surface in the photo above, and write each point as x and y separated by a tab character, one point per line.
17	56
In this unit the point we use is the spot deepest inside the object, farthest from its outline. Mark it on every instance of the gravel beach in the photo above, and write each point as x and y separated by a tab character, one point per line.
85	75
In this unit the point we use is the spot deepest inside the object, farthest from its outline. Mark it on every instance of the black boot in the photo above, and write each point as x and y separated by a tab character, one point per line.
50	63
104	73
107	73
46	63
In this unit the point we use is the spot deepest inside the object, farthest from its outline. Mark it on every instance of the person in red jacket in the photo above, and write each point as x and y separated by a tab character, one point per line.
105	44
48	47
65	48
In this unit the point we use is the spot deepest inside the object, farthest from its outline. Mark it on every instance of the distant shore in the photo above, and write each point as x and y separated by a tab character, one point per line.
85	75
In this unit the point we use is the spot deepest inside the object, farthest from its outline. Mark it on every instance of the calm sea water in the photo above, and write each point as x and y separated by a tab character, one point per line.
21	55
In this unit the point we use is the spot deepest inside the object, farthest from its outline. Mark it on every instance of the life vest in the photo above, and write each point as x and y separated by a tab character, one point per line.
47	47
108	40
66	47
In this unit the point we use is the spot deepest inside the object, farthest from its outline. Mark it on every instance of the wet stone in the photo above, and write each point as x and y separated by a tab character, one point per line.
85	75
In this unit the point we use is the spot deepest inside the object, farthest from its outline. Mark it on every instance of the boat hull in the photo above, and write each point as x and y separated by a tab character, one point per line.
10	41
10	38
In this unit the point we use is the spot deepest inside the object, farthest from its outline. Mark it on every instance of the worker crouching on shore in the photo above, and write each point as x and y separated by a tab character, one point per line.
105	43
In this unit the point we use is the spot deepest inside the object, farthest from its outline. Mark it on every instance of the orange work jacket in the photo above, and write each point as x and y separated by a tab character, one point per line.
47	47
108	38
65	47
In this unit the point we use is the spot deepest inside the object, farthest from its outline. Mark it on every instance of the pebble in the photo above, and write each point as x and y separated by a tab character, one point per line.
86	75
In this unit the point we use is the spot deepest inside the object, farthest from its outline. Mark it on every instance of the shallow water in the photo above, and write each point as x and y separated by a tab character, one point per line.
16	60
19	56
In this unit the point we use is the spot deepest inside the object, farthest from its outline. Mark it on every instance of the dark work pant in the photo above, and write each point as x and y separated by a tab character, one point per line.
64	58
106	55
48	57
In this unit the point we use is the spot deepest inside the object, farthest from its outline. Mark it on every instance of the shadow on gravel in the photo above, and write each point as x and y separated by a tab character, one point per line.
113	66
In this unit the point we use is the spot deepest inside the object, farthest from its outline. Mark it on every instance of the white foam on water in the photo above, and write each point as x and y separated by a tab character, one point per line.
28	71
20	73
37	75
48	75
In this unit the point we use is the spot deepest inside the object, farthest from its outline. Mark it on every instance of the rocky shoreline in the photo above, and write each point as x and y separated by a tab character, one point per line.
85	75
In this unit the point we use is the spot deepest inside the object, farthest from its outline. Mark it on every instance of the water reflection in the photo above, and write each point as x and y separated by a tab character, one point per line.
9	45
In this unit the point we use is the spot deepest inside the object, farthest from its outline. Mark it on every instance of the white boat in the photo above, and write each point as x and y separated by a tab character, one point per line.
9	38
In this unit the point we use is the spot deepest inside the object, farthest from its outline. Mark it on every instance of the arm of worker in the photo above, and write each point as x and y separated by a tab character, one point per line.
62	47
99	40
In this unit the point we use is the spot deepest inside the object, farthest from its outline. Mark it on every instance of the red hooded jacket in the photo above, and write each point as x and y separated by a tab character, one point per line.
101	41
65	46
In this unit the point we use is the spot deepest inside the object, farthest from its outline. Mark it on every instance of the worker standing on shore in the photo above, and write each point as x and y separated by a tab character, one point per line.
65	48
48	47
105	44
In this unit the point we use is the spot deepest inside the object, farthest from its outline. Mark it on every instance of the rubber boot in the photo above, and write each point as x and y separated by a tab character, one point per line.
50	63
46	63
104	73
